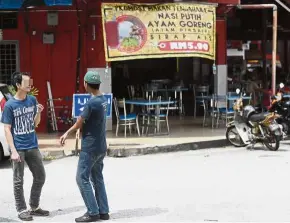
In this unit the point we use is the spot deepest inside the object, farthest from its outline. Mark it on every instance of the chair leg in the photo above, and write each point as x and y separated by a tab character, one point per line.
204	116
137	126
167	122
117	129
143	124
148	123
130	129
158	126
195	109
226	120
217	120
125	130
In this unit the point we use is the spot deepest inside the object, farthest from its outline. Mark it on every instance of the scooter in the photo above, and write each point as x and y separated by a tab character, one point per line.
250	127
281	107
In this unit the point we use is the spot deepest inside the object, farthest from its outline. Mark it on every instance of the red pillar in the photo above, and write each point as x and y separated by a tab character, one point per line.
95	48
221	58
221	48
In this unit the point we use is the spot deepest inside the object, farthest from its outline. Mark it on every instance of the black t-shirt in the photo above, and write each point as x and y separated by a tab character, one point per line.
94	127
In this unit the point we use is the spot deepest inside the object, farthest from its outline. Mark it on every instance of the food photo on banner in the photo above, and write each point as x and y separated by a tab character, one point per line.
156	31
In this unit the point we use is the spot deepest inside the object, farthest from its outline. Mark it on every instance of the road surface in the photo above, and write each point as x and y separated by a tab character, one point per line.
227	184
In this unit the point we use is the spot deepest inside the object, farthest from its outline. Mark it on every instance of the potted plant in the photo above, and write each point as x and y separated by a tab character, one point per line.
33	92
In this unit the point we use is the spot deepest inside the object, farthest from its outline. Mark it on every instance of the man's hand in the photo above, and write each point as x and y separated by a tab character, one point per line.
15	157
39	108
62	139
75	127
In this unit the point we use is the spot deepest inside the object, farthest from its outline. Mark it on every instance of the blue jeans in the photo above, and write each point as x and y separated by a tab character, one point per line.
90	167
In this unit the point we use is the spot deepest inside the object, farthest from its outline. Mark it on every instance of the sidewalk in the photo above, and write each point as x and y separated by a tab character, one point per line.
184	135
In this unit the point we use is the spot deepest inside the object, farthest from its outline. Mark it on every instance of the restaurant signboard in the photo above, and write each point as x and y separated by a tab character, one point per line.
137	31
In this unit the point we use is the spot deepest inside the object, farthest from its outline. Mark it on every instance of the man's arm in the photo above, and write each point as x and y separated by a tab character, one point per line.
9	138
6	119
83	116
37	119
76	126
38	110
79	123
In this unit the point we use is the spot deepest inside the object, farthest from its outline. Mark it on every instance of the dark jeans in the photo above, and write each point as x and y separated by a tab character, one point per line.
33	159
90	167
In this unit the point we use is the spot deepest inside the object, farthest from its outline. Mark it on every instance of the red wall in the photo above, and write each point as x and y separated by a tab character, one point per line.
56	62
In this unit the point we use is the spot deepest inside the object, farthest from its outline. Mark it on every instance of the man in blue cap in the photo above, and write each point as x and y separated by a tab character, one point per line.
93	151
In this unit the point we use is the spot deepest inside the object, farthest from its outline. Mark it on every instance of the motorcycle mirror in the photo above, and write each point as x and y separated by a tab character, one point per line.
238	90
281	85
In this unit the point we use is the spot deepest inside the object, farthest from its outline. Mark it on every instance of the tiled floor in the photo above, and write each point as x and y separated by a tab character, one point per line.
182	130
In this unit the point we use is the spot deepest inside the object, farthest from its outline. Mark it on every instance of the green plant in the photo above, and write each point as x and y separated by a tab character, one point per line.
33	92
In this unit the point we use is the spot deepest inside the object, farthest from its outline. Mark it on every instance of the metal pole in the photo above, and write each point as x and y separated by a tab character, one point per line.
79	49
264	46
274	41
274	50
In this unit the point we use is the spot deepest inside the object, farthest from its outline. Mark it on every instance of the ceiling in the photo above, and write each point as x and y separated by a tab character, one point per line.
248	24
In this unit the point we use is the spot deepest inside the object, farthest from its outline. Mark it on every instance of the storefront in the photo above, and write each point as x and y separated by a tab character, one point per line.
44	41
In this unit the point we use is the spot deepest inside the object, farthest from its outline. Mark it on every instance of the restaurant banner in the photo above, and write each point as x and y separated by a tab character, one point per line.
137	31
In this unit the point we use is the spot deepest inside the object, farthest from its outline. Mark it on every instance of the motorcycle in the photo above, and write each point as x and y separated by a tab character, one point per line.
250	127
282	108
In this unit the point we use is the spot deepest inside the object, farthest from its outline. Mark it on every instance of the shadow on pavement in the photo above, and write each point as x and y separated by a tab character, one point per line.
137	212
264	148
66	211
129	213
7	220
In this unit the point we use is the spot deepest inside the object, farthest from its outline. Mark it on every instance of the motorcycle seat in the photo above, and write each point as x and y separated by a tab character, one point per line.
258	117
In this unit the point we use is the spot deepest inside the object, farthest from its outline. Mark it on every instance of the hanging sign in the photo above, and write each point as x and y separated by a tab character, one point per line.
137	31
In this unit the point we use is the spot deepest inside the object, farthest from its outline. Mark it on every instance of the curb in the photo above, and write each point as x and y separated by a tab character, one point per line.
122	152
126	152
55	154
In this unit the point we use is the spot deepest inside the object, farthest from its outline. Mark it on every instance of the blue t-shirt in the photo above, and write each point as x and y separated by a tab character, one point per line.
20	115
94	127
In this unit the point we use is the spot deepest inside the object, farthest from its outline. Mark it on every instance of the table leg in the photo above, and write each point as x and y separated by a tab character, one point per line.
175	99
181	103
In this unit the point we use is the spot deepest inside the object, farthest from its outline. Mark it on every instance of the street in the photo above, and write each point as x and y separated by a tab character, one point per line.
226	184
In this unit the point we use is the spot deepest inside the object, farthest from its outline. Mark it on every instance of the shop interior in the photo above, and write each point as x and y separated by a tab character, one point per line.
178	80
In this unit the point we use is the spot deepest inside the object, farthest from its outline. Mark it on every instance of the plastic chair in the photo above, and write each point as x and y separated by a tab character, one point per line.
125	119
200	91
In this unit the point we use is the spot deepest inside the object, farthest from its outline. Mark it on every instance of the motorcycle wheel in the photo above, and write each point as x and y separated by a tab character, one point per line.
272	139
236	142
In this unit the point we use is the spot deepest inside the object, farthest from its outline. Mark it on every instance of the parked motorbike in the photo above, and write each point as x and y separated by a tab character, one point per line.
282	108
250	127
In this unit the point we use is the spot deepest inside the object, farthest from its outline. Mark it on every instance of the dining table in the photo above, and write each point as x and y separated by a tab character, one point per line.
147	103
175	90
